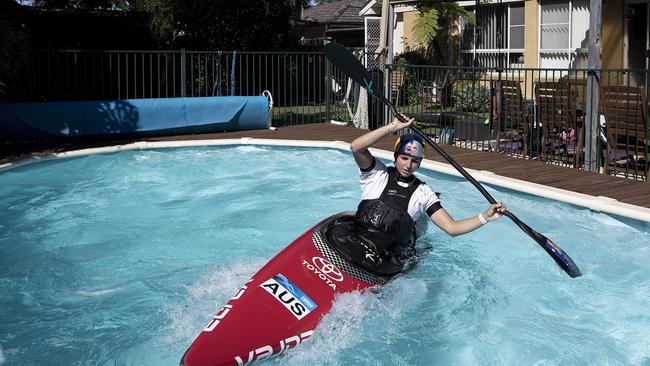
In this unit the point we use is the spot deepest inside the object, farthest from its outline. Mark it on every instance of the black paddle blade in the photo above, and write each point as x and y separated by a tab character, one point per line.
561	258
342	58
347	63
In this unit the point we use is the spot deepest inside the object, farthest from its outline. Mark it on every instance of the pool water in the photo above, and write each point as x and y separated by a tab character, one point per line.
121	259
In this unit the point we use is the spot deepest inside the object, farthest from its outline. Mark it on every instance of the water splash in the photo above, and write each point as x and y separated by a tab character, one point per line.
339	330
204	298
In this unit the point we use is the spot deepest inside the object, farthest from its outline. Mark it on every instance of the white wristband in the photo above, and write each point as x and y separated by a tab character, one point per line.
482	219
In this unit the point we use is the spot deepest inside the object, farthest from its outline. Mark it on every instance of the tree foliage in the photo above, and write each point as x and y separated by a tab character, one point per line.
222	24
14	41
426	26
206	24
81	4
435	28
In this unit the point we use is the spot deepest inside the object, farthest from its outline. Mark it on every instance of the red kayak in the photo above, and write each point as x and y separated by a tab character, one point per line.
282	304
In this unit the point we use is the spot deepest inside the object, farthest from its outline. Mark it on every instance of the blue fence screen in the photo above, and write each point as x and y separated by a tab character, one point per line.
28	121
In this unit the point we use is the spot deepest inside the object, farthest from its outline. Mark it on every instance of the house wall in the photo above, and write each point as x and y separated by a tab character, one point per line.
404	37
409	21
398	34
531	54
613	30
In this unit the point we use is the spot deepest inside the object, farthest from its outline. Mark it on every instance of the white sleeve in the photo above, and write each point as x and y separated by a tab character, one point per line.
427	199
423	198
431	198
373	181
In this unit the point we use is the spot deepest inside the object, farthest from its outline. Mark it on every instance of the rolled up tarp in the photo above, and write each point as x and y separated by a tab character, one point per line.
34	121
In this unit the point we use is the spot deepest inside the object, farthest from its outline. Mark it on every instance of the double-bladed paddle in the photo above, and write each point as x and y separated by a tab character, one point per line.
346	62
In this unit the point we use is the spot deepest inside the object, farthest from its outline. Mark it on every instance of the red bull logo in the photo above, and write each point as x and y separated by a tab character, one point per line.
412	148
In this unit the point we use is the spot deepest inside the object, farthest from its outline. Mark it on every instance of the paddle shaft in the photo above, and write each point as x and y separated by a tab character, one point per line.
457	166
346	62
560	257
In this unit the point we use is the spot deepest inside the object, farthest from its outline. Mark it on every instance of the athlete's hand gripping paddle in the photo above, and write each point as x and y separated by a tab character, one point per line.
346	62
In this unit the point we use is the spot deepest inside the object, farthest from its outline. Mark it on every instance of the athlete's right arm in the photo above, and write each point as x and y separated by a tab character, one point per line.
443	220
360	145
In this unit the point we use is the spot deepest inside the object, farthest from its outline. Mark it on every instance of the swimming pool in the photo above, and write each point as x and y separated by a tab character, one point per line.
123	258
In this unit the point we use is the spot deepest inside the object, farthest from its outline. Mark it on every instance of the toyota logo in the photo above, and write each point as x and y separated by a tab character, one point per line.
327	268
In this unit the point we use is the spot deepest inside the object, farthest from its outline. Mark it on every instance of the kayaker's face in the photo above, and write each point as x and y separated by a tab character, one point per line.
406	165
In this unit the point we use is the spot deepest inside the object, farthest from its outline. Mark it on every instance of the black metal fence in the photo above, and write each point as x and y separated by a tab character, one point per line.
295	79
529	113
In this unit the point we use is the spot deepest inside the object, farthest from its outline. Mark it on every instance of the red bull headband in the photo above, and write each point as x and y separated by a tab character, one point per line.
409	144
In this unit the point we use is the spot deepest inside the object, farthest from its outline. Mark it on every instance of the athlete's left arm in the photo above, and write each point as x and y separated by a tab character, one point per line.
444	221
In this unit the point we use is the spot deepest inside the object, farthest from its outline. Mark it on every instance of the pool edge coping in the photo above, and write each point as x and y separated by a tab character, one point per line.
595	203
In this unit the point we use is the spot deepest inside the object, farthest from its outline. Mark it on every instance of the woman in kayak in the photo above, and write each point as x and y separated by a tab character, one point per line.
393	200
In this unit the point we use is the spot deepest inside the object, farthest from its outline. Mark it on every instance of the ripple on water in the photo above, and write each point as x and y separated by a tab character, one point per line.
123	258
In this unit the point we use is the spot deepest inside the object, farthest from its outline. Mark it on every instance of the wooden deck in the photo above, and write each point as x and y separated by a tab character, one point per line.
623	190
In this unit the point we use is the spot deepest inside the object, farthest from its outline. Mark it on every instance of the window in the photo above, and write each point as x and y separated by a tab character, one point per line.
564	26
554	24
498	38
517	27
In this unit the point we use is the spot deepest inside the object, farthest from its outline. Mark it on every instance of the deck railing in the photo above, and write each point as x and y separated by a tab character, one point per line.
529	113
295	79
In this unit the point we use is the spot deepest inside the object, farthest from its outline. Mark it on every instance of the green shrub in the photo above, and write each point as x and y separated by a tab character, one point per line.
411	57
471	97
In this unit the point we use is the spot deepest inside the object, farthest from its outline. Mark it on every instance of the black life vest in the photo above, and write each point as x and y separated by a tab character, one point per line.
385	221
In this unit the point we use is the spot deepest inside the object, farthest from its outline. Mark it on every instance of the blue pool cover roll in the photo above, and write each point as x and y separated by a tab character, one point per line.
26	121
